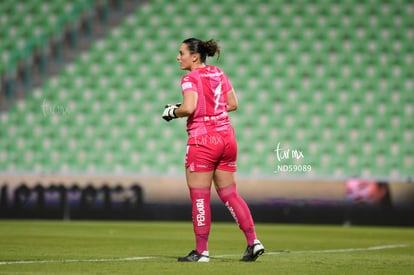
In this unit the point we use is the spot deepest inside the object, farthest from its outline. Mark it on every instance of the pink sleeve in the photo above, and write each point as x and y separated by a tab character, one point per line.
227	84
188	84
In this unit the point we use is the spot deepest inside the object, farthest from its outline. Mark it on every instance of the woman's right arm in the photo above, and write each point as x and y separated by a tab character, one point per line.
232	102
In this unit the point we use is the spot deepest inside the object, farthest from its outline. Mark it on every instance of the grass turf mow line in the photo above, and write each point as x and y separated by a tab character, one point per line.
382	247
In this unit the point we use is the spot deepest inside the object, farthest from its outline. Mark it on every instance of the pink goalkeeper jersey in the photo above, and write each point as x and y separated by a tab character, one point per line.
212	86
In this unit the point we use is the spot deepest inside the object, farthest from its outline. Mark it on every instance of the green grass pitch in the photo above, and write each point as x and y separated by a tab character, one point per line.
84	247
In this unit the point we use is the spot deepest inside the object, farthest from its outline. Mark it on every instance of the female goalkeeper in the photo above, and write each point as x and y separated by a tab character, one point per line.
211	155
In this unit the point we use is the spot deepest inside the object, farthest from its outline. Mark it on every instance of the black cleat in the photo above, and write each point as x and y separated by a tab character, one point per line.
193	256
253	252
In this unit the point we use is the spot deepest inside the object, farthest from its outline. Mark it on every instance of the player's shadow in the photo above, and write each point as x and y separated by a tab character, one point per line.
224	258
212	258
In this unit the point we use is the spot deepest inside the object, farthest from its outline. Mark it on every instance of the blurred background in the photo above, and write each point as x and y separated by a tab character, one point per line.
325	122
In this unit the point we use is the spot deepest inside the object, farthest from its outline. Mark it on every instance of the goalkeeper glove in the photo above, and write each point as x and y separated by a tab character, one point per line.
169	111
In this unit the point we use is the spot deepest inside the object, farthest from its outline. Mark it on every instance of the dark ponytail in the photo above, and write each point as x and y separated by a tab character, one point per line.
204	48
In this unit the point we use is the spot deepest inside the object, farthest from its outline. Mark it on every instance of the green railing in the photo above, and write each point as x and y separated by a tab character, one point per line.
20	59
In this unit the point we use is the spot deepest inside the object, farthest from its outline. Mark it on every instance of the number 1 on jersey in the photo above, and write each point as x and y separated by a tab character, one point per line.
217	94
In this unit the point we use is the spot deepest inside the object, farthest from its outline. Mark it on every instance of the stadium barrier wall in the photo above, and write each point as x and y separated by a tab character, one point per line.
351	201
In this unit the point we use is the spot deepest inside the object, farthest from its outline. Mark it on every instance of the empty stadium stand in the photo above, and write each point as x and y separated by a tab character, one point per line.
332	80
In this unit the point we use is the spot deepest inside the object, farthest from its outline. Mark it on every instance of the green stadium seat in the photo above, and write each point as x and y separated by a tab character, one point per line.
318	76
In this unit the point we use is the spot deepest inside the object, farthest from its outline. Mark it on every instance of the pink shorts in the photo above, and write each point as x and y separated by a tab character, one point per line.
215	150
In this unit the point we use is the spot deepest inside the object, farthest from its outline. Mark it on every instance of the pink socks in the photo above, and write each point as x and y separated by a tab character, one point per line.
239	210
200	198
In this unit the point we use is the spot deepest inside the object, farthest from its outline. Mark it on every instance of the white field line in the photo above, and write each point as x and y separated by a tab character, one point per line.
382	247
344	250
76	260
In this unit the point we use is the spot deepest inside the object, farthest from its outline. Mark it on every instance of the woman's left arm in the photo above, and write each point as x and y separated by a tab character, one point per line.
188	106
